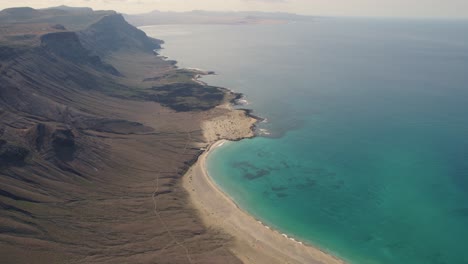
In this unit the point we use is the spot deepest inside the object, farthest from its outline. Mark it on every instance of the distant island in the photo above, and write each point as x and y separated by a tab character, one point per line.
210	17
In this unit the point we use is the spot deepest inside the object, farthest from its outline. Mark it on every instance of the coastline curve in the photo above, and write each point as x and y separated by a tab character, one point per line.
253	241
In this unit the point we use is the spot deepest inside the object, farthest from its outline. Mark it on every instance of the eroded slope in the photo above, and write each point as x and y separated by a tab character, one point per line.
92	151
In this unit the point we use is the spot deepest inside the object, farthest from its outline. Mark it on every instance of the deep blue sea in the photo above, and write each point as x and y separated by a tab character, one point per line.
368	153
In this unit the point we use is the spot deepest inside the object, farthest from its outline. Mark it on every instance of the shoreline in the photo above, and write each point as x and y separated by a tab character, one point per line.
253	241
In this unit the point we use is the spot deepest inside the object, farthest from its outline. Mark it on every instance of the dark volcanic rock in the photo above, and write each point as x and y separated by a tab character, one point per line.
12	154
63	143
39	134
58	142
184	97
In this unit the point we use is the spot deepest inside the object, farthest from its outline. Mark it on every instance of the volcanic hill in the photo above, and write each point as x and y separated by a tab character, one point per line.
96	132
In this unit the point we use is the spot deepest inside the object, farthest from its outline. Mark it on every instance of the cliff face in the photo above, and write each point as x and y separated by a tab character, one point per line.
43	80
113	33
68	46
65	44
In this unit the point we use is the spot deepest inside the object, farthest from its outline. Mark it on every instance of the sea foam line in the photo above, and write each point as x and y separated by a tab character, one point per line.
284	235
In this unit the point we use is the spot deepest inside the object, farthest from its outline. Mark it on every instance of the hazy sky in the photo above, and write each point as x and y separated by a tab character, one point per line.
405	8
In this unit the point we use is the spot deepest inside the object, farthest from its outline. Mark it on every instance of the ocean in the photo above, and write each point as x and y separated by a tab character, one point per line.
366	154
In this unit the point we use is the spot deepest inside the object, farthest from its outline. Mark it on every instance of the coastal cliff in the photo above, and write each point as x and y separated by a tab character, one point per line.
68	46
113	33
96	133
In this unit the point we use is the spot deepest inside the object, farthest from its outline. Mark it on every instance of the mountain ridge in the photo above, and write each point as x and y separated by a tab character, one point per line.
103	36
84	138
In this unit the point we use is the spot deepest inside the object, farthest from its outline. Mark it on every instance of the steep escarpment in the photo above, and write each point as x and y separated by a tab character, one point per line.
90	164
68	46
113	33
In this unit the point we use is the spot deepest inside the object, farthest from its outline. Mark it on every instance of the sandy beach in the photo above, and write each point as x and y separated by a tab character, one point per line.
252	242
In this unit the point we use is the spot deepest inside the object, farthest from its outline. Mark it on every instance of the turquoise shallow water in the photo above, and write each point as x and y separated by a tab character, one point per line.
369	154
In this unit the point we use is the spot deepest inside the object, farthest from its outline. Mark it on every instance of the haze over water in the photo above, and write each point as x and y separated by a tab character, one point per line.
370	155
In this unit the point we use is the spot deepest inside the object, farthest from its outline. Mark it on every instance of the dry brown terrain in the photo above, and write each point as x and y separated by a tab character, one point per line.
92	149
